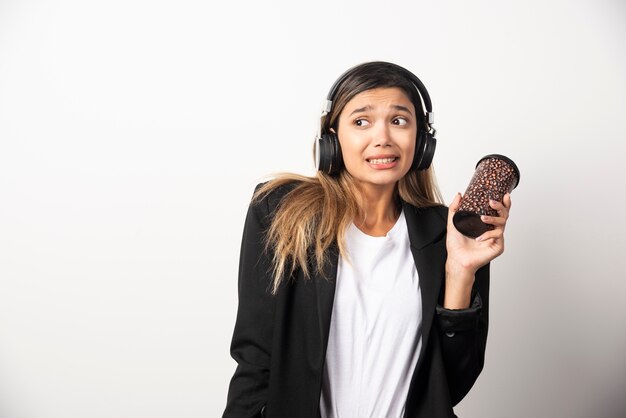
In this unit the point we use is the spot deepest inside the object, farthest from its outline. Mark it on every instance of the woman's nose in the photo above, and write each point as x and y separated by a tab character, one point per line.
381	136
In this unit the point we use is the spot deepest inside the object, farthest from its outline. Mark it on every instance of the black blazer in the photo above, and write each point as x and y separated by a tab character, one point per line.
279	342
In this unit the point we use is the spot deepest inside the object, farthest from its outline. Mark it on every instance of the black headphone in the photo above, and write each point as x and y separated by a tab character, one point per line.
328	158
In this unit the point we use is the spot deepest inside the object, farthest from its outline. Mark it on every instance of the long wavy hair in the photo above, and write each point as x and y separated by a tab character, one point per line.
316	212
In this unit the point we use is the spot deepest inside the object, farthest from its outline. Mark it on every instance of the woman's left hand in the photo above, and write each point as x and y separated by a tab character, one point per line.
465	254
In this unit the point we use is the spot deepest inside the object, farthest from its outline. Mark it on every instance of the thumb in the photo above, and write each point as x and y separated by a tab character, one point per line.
456	202
454	207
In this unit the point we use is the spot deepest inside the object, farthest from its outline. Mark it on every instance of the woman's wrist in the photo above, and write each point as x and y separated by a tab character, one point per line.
459	283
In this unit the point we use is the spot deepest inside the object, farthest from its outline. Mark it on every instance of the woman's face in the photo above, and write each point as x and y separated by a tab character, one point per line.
377	131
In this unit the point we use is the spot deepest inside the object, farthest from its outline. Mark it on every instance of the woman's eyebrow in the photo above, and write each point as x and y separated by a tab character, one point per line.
361	109
368	107
403	108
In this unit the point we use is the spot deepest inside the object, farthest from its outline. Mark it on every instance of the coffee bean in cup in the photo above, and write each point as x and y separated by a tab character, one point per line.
495	176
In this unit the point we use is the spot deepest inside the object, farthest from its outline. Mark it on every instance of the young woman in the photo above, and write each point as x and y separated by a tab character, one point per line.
357	296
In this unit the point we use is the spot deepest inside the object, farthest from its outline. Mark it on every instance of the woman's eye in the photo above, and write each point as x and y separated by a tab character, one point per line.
361	122
400	121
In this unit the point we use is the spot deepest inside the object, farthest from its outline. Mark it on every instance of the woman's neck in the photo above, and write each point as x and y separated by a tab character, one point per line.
380	211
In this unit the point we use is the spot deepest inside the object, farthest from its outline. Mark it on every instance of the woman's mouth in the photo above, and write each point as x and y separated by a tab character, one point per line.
381	160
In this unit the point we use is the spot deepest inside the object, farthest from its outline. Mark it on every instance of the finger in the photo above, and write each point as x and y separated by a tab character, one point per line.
507	201
495	235
454	207
500	208
494	220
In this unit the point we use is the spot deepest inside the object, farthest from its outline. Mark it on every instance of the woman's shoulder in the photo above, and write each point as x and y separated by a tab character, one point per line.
268	195
273	192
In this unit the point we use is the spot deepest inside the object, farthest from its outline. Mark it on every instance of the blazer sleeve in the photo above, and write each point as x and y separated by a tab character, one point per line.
464	338
252	336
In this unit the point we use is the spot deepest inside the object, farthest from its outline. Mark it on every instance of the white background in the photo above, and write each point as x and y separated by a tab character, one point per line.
132	133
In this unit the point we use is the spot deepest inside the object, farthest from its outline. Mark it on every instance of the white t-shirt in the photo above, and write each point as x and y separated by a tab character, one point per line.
375	336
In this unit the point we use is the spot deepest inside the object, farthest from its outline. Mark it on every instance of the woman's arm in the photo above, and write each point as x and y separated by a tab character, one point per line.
252	337
463	319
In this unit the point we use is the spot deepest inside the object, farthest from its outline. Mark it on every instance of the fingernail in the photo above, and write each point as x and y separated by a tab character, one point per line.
484	217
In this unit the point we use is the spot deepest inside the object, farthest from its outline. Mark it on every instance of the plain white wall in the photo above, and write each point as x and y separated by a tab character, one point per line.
132	133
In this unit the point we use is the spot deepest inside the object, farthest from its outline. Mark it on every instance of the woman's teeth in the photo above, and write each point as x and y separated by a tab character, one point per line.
381	160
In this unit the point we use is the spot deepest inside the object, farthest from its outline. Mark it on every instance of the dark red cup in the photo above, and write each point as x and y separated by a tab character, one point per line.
495	176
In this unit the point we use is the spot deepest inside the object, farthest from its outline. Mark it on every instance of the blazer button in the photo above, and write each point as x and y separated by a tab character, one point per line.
450	334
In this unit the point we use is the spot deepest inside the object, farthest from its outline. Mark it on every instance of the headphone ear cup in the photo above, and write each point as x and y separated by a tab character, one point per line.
328	154
424	150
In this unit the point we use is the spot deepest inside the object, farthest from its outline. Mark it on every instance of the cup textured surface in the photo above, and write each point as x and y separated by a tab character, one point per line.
495	176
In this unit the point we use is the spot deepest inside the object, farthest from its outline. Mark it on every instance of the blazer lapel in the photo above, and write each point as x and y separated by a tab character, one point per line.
427	227
325	287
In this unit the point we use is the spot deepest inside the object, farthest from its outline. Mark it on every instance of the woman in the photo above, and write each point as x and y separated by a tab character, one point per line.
357	296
